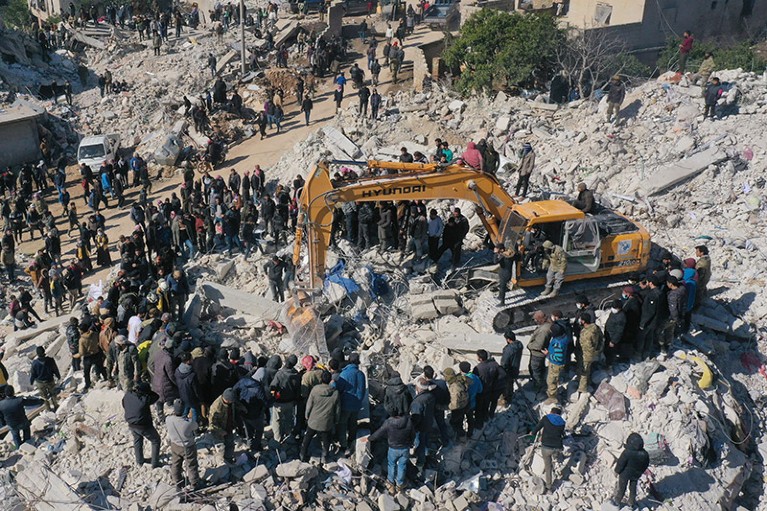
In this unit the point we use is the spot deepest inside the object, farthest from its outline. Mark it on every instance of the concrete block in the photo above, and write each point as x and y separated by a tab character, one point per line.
39	484
258	473
456	106
503	123
675	173
248	303
448	306
339	144
424	312
223	269
387	503
460	503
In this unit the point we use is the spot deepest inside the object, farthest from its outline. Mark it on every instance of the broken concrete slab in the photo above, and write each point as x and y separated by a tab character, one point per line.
257	306
339	144
674	173
258	473
14	339
226	59
40	485
295	469
192	310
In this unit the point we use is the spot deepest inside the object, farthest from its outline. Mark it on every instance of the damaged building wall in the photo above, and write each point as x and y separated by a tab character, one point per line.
645	26
19	139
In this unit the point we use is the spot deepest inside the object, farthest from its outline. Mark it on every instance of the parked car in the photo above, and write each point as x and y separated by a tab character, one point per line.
96	149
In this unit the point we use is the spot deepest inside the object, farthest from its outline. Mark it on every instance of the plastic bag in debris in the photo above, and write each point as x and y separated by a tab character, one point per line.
344	473
95	290
379	284
656	446
642	373
335	277
472	484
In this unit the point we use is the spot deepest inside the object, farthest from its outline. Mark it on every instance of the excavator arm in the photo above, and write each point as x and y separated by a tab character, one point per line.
413	182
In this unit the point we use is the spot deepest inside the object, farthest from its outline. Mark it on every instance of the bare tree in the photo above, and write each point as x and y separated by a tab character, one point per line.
590	56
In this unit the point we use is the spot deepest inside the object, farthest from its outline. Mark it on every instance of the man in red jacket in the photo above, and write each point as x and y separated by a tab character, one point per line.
684	50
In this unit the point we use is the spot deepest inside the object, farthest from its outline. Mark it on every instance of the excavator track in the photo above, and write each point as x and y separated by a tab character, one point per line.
488	316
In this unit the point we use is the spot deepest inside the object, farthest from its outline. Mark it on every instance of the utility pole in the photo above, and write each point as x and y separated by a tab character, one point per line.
242	36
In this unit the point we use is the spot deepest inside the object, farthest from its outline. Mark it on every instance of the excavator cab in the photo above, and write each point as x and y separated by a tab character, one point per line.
582	242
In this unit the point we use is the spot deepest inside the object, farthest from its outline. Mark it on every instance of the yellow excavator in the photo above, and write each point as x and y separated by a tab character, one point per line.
597	245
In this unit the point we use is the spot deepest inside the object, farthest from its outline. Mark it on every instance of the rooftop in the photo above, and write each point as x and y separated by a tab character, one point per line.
19	110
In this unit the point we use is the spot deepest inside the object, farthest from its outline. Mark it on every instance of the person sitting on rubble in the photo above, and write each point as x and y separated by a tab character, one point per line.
235	104
585	201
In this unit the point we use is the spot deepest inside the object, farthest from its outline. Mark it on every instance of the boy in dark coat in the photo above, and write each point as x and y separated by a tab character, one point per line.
630	466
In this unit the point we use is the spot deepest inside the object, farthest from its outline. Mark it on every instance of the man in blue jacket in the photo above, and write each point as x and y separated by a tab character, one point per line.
352	387
475	388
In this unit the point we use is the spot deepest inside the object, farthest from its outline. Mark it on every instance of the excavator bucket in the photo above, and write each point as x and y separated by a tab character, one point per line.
306	329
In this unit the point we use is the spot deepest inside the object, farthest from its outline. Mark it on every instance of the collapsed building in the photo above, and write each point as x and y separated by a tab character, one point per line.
689	181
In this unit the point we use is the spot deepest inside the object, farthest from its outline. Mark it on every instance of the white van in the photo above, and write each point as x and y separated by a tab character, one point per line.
98	148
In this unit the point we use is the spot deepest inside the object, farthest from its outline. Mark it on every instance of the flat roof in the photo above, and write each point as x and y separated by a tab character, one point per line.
20	110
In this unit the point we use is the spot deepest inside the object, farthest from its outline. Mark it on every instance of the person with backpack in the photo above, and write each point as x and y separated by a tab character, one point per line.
458	386
630	466
557	356
511	358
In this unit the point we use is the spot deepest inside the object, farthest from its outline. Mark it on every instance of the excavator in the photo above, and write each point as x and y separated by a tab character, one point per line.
600	245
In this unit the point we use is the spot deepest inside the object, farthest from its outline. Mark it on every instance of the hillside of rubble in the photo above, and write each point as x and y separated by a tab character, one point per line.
689	181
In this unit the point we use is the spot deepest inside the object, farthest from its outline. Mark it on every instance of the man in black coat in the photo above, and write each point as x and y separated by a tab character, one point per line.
511	358
137	403
654	310
13	415
630	466
615	328
493	379
422	414
552	428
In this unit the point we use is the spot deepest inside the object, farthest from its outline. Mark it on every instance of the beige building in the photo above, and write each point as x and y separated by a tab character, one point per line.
646	25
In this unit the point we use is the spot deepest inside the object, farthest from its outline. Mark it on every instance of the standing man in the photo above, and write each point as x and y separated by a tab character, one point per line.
306	107
286	389
552	428
375	104
434	230
615	97
43	376
677	308
399	433
274	270
684	50
212	64
137	402
511	358
592	343
538	347
630	466
703	266
224	417
322	414
352	386
181	434
364	96
493	383
555	275
13	415
653	314
557	355
505	259
526	165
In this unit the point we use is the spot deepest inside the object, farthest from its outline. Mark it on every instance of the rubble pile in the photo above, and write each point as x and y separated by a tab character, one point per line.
687	180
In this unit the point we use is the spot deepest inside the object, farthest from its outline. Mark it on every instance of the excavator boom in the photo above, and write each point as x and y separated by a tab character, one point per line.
414	181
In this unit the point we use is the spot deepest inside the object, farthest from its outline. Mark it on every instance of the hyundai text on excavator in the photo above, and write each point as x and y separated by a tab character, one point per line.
598	245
